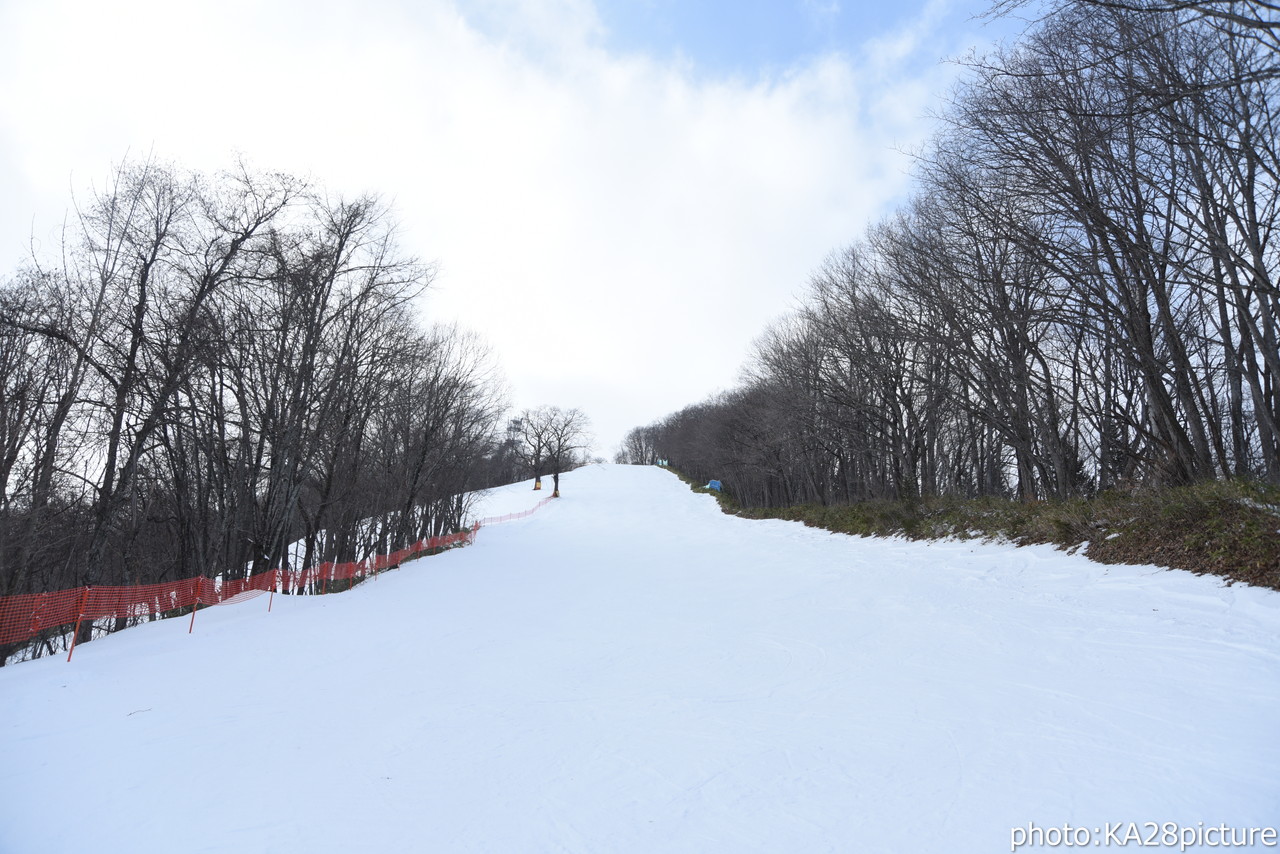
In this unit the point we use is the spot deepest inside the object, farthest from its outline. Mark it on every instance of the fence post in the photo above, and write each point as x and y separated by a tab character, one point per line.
195	606
84	603
36	613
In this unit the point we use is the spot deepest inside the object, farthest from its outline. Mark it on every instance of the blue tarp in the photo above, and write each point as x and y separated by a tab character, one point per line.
715	484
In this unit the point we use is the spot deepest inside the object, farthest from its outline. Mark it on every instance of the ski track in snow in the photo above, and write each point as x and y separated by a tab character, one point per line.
629	670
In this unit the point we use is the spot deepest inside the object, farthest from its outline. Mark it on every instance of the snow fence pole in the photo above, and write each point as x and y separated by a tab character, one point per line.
195	605
84	603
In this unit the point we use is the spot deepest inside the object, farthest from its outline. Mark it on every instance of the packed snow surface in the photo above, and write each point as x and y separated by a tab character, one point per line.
629	670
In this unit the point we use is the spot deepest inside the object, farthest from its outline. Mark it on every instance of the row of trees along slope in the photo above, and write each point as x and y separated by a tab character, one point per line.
219	368
545	439
1081	294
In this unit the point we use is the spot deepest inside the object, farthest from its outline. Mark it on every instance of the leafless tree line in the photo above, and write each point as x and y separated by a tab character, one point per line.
542	440
1080	295
217	368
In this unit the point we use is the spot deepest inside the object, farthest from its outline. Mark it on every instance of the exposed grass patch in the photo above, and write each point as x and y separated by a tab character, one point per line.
1225	528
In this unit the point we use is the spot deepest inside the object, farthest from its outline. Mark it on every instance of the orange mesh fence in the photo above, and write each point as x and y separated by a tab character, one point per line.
320	576
232	591
494	520
141	600
25	616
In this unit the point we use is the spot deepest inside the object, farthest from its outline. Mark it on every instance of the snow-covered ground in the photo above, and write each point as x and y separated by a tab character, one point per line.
629	670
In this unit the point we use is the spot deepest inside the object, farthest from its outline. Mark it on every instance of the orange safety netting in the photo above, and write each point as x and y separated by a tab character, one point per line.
493	520
26	615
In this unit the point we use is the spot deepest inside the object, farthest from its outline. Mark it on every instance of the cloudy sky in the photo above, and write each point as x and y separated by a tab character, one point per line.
620	194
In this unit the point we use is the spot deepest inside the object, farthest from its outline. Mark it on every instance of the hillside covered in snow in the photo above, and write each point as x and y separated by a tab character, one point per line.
630	670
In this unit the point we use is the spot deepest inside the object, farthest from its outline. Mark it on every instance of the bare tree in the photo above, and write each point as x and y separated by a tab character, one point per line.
638	447
568	435
534	426
221	368
1082	294
551	437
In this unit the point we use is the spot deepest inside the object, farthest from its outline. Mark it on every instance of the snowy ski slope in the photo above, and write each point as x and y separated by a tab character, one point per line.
629	670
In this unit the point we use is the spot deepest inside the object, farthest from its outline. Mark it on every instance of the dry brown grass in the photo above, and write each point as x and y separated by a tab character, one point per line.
1225	528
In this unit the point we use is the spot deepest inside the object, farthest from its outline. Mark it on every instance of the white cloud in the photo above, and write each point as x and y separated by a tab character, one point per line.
619	229
821	12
